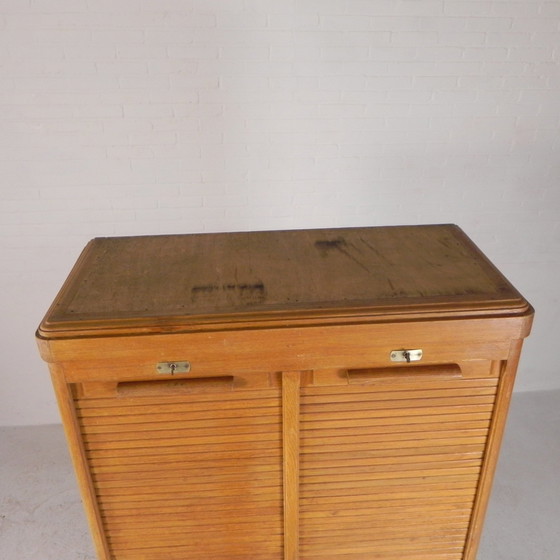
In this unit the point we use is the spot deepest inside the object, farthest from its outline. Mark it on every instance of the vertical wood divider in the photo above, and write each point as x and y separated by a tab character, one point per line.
290	439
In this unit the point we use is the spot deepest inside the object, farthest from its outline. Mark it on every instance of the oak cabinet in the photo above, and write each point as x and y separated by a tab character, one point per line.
312	394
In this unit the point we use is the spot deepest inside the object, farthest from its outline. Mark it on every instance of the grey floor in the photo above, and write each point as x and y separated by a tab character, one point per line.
41	516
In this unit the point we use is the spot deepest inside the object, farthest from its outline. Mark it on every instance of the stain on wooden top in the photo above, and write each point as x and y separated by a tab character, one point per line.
181	281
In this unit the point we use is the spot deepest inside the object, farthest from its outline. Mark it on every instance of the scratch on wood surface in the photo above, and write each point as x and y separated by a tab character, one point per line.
379	254
325	247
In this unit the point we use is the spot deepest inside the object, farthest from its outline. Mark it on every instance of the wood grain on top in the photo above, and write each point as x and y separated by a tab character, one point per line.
154	281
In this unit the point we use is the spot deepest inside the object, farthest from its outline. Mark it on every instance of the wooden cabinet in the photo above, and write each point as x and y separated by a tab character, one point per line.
315	394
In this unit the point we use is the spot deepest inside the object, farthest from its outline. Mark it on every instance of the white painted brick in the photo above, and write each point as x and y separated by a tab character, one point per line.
57	36
293	21
440	53
165	170
550	9
192	51
217	6
489	24
444	24
413	38
129	152
520	8
191	110
118	36
345	53
387	83
59	5
463	68
148	110
553	82
241	20
392	24
180	202
345	23
93	20
513	68
224	201
410	68
174	96
65	83
536	25
122	8
163	5
486	54
311	39
162	36
86	51
153	137
178	71
140	52
244	83
549	39
542	68
283	53
223	37
393	54
507	38
14	6
529	82
262	52
409	96
325	6
159	217
531	54
121	67
424	8
373	7
468	8
139	82
29	51
435	83
132	203
462	38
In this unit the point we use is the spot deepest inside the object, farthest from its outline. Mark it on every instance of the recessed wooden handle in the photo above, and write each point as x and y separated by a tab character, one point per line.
175	386
373	375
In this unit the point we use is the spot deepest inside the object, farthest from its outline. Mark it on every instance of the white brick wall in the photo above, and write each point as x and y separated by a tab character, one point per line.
160	116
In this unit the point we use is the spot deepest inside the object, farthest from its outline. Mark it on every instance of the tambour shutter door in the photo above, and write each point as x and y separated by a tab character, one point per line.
184	470
391	460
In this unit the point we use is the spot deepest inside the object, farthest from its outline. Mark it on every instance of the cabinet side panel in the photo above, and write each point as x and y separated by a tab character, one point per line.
77	453
503	399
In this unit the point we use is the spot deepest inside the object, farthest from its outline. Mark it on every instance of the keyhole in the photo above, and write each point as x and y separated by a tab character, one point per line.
406	355
172	367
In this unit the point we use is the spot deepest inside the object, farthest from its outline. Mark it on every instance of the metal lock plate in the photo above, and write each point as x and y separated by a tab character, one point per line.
171	368
406	355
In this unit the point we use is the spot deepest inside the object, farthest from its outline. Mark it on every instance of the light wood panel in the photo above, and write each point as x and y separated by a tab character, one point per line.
189	475
376	485
291	450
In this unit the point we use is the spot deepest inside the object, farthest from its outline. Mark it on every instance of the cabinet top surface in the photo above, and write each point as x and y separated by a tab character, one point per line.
174	282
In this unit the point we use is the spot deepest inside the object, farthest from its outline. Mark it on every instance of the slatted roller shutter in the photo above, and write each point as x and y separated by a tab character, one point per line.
390	466
194	475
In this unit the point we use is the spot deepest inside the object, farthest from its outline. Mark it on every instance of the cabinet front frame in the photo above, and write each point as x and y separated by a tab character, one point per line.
133	358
